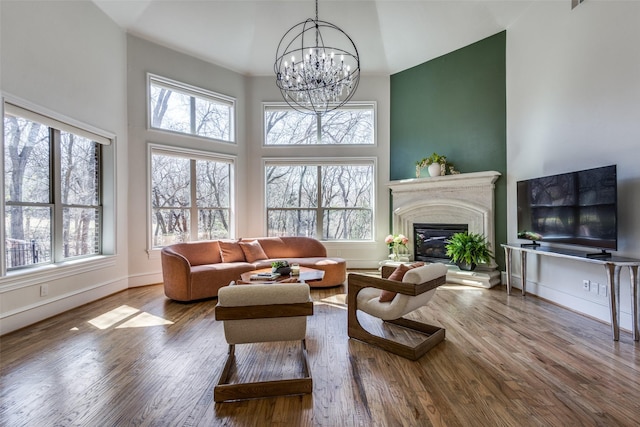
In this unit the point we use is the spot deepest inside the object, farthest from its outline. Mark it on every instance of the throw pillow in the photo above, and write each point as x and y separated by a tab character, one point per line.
230	251
397	275
253	251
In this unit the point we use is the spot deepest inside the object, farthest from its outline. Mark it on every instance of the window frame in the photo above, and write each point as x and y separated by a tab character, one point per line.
324	161
196	92
106	232
266	106
191	154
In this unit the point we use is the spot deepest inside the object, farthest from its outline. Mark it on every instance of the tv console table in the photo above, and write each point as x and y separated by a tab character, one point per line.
612	265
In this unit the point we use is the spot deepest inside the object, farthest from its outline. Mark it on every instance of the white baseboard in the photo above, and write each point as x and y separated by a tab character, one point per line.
145	279
25	316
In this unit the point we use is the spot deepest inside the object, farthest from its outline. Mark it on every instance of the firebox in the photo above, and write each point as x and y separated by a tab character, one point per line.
429	240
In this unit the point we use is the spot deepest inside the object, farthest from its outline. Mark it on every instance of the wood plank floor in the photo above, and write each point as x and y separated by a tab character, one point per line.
137	358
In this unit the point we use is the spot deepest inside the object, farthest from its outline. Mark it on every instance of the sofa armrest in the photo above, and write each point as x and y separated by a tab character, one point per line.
176	272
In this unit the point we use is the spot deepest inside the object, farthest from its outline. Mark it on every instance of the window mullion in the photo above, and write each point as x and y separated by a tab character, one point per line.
192	114
318	128
193	221
56	197
319	207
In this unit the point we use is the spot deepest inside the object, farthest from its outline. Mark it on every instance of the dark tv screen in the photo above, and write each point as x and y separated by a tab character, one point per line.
576	208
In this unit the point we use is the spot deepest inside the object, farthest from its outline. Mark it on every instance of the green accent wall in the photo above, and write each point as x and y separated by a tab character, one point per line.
455	105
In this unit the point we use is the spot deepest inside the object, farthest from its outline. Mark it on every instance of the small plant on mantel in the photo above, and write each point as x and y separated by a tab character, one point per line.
468	250
445	166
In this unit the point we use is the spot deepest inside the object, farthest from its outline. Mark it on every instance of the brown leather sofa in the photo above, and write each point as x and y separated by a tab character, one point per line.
196	270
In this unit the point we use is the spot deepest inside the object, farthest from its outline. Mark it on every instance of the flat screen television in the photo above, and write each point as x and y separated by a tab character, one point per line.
575	208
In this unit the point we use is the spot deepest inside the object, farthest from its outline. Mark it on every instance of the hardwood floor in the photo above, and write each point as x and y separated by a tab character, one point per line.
137	358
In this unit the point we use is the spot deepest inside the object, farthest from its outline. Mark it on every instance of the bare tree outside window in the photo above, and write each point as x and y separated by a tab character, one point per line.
344	126
213	193
348	126
37	203
289	127
177	107
28	211
80	190
327	200
292	199
184	209
347	198
170	199
345	195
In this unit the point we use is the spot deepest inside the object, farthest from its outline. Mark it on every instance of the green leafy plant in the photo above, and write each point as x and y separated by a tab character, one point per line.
279	264
447	167
469	248
433	158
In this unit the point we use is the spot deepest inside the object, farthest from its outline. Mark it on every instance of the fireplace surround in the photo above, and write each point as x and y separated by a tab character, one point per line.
462	199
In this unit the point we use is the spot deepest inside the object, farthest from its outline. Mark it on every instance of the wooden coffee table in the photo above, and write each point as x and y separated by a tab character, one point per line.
306	275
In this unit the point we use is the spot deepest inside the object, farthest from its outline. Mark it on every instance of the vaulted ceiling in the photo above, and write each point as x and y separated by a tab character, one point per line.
243	35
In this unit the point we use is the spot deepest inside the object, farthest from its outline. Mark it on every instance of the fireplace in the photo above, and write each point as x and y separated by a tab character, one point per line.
465	199
429	240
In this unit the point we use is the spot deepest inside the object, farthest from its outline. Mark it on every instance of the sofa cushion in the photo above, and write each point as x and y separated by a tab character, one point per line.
230	251
252	251
207	279
397	275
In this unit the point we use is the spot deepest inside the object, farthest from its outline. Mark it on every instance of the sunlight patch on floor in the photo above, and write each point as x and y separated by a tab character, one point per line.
338	301
110	318
143	320
124	314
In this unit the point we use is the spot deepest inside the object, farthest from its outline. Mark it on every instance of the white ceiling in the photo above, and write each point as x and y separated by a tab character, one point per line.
243	35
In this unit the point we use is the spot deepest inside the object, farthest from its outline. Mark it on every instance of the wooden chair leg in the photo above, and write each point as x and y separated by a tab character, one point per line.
434	334
224	375
224	391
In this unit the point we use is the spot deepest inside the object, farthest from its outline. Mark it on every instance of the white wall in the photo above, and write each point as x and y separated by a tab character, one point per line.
573	102
74	68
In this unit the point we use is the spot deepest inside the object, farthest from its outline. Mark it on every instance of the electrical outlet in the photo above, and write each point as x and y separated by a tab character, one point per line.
602	289
44	290
586	285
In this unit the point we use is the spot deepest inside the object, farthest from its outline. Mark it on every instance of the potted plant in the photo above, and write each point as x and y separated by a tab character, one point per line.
436	164
468	250
280	267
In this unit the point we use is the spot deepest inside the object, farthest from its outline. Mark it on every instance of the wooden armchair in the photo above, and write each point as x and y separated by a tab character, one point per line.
416	289
263	313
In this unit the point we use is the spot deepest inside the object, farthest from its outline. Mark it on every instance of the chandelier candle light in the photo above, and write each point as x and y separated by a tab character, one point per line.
315	78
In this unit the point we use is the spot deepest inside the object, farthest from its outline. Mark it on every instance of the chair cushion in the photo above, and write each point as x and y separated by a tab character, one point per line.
264	329
230	251
425	273
397	275
253	251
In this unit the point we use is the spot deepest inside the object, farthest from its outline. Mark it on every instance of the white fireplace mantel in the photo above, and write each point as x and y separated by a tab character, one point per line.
467	198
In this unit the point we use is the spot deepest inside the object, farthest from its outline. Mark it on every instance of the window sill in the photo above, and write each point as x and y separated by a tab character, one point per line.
18	279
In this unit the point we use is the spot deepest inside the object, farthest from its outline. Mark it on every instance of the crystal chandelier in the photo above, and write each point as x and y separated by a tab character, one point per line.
315	77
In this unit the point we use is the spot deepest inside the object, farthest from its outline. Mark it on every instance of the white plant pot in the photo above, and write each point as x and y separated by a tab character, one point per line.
434	169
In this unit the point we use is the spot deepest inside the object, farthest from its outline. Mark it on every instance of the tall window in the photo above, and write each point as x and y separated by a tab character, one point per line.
352	125
326	201
191	196
51	189
178	107
323	198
